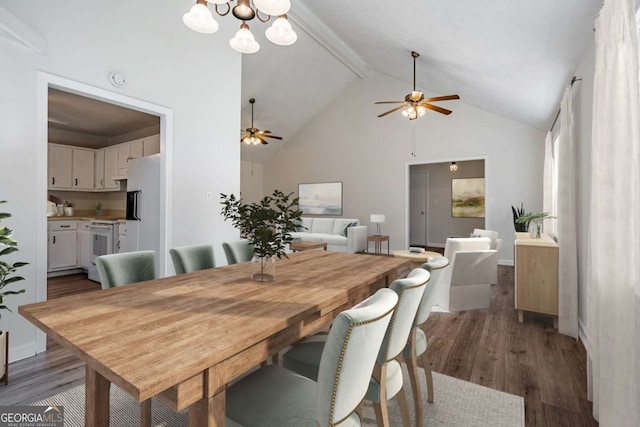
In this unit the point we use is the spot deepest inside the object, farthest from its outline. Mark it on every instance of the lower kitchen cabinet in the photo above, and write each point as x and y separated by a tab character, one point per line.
62	245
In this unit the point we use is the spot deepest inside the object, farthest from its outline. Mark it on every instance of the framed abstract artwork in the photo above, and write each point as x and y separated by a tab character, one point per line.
467	198
321	198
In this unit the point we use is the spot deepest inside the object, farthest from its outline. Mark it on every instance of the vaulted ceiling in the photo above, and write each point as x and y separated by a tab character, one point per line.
509	57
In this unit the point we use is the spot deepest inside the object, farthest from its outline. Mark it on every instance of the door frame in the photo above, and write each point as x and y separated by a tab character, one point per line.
407	183
46	81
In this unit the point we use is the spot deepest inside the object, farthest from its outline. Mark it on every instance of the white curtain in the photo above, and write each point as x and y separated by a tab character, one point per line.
547	186
568	255
614	291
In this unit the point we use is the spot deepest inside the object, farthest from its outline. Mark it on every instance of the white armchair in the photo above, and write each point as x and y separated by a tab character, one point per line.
496	244
466	283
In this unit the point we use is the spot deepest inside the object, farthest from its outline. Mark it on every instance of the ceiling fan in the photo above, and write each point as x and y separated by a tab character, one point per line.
253	136
415	105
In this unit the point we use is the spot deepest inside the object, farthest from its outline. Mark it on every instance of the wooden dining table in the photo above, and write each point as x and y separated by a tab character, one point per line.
183	338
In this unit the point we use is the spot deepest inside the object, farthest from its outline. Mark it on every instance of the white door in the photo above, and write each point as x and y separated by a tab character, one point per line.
418	209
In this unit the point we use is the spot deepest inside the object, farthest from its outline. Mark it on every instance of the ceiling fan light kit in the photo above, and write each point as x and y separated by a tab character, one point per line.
253	136
200	19
415	105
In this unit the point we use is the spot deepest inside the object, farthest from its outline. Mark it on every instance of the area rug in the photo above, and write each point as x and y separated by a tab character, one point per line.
457	403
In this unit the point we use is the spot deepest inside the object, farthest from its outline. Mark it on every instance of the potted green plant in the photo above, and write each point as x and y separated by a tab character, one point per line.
518	213
535	222
98	209
267	225
7	246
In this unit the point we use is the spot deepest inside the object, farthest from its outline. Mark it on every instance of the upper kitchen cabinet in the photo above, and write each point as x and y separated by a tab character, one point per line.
83	169
107	168
135	149
70	168
60	161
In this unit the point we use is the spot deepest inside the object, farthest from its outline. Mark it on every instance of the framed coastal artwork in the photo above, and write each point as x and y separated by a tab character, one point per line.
467	198
321	198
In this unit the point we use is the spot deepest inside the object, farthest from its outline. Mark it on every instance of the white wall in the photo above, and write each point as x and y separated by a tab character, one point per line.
251	178
347	142
165	63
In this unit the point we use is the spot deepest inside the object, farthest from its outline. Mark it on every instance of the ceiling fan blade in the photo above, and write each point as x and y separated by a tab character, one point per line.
436	108
392	110
389	102
262	141
269	136
264	131
442	98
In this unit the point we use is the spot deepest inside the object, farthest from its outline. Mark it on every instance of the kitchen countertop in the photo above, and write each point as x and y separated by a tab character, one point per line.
87	218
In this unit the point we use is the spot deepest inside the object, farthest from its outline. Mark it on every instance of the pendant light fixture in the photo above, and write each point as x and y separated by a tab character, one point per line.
453	167
200	19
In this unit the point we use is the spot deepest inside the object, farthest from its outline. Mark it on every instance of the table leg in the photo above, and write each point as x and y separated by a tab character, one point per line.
96	399
208	412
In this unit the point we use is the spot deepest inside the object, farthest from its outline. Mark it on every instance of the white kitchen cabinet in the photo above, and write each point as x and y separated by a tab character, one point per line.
99	175
62	245
84	244
122	235
60	167
111	168
151	145
83	169
107	168
129	151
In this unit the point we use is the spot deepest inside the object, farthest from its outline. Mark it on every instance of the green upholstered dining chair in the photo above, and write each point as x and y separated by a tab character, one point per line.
126	268
238	251
386	381
192	258
417	344
276	397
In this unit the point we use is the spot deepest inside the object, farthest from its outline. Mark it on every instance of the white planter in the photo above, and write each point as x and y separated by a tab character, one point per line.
68	211
4	346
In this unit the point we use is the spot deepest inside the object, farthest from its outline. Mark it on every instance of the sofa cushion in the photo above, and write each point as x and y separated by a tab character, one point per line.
307	222
322	225
306	236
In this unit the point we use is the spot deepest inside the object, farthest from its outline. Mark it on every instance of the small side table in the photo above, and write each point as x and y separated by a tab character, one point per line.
417	259
377	240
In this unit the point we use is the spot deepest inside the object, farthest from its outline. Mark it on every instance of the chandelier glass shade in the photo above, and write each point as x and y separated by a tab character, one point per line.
200	19
453	167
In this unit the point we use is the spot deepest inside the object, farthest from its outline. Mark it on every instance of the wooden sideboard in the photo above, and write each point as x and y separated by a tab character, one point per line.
536	276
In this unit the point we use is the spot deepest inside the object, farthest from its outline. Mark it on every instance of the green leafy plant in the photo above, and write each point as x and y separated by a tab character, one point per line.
98	206
535	219
8	245
267	224
517	214
69	204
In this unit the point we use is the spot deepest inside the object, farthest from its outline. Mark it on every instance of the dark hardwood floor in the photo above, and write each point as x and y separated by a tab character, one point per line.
487	347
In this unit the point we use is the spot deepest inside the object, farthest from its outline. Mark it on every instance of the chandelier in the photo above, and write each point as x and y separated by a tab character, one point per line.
200	19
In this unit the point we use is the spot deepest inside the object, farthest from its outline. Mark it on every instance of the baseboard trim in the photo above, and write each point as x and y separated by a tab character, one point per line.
435	245
583	335
19	352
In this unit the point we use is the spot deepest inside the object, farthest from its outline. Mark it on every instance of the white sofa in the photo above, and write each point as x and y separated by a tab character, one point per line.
466	283
340	234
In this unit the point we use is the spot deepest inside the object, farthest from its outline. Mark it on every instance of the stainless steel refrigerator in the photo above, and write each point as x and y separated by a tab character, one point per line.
143	206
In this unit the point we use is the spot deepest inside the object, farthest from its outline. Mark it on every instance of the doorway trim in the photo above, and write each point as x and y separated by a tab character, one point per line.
407	183
46	81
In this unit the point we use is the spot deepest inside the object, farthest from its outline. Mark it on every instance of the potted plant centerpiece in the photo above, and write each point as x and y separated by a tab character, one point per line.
7	245
267	225
535	222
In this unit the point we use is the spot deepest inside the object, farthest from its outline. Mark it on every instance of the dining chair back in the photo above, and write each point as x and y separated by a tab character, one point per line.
126	268
238	251
187	259
416	345
276	397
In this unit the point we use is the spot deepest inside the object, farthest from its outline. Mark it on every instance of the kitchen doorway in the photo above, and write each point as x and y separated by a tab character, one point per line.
47	82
